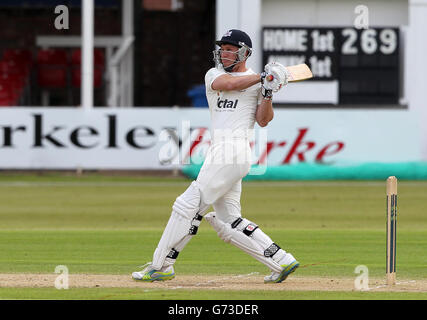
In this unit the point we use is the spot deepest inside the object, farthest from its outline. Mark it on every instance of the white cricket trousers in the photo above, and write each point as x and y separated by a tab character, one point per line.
220	178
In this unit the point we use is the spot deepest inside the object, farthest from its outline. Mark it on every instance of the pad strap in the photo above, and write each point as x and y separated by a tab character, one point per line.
250	228
236	223
195	223
173	254
271	250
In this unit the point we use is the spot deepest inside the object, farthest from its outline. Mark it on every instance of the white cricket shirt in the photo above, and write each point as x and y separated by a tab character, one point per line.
232	111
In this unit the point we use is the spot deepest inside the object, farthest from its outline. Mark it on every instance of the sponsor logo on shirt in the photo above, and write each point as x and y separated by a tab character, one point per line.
227	104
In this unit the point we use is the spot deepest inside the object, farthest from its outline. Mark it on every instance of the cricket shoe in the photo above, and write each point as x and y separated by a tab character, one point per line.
277	277
148	274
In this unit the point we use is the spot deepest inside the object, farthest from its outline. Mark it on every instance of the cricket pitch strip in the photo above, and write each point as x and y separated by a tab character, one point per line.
251	282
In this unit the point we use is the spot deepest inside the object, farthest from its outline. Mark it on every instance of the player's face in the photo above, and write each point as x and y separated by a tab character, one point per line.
228	54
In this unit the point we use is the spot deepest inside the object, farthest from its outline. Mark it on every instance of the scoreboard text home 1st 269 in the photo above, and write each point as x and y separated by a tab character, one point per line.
365	62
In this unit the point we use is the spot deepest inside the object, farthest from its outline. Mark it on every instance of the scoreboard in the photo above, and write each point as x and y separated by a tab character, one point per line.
359	66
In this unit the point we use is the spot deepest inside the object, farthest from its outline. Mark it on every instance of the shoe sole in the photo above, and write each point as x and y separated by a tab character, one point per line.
160	278
285	273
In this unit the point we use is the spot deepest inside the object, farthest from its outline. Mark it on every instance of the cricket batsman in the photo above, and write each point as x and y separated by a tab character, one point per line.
238	97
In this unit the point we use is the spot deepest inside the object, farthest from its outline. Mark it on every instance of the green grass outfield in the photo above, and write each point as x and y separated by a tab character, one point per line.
98	224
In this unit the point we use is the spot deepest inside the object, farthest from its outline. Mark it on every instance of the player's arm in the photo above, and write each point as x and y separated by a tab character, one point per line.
273	79
264	112
228	82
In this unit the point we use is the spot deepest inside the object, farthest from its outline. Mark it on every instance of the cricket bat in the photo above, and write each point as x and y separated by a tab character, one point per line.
299	72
